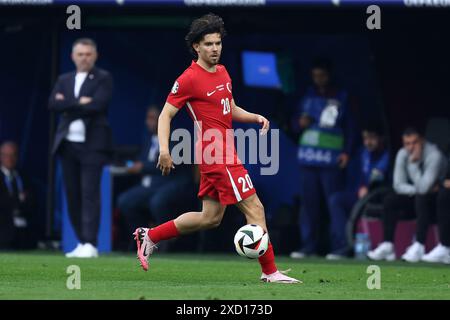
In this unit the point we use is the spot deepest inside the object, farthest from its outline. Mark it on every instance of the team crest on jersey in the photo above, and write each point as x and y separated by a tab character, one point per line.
229	86
175	87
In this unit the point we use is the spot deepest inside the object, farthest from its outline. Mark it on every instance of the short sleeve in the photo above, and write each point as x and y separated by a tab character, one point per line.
181	92
229	82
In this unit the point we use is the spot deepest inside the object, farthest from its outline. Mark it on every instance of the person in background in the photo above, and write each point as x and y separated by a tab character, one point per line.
150	200
16	203
374	168
83	141
418	167
325	146
441	253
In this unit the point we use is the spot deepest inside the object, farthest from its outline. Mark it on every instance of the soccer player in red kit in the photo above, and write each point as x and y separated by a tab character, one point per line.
205	89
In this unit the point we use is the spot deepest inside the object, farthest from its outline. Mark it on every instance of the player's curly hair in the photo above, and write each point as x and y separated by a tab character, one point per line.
207	24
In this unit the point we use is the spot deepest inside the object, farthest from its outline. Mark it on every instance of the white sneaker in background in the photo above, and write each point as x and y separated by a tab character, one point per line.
297	255
385	251
414	253
440	254
87	251
334	256
74	252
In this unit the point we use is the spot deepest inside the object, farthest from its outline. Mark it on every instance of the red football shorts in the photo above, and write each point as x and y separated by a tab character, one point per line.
226	184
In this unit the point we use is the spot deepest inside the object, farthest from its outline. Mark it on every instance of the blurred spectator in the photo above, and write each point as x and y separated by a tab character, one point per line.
441	253
373	173
418	167
83	140
153	199
17	207
325	147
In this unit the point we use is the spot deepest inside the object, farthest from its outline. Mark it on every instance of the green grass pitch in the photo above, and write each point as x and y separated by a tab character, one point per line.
41	275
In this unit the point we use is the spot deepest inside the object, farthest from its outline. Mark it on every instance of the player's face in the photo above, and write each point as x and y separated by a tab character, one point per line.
84	57
320	77
371	141
8	156
210	48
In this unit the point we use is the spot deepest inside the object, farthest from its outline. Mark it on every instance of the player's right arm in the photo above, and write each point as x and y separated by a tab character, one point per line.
165	163
178	96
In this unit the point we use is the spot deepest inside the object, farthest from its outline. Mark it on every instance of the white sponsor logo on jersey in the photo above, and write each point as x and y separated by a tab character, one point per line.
218	88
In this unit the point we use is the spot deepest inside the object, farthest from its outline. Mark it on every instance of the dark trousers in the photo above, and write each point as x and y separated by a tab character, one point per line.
12	237
133	206
443	216
316	186
398	206
82	171
140	204
341	204
162	201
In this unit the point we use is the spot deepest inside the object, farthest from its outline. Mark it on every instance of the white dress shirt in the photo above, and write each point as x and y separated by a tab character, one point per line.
77	129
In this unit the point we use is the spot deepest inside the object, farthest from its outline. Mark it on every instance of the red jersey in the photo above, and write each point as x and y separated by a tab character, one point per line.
208	97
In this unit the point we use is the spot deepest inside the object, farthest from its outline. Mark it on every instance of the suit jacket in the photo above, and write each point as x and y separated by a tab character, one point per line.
149	165
9	203
98	86
10	235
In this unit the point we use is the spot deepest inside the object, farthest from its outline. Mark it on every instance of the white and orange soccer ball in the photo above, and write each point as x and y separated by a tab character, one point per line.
251	241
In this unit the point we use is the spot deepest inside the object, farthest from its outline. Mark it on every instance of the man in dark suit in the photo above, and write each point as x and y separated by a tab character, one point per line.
83	140
17	206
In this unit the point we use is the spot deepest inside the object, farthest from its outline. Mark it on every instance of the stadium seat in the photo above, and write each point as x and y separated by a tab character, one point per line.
363	221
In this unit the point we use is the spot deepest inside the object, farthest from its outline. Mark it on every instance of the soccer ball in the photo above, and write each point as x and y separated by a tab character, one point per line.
251	241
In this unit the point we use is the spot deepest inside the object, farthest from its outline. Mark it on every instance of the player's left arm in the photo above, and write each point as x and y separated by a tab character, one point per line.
240	115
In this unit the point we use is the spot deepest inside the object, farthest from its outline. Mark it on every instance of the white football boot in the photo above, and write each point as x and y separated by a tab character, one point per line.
440	254
384	251
414	253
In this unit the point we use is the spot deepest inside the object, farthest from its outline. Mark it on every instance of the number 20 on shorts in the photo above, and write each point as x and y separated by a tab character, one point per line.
246	183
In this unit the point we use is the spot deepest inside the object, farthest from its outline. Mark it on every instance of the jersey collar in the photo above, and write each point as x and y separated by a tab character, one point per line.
194	64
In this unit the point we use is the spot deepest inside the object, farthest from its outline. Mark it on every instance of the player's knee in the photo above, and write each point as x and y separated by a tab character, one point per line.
213	222
212	219
259	208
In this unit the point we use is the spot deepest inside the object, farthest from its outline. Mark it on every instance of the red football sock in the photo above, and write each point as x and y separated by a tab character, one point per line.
164	231
267	261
